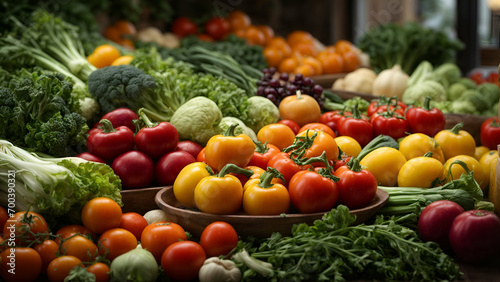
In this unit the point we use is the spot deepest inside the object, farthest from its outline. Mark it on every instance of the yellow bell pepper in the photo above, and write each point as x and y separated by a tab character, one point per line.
487	161
423	172
453	171
419	144
456	142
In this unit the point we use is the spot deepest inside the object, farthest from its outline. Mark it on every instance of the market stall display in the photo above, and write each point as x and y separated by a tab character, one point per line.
165	153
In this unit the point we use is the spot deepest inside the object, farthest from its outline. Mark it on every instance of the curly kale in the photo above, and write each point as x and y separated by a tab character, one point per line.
35	115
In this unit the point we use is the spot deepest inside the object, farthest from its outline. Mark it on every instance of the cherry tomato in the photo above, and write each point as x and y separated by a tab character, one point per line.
263	153
290	123
189	146
134	223
108	143
435	221
474	235
156	237
90	157
26	263
357	187
182	260
80	247
217	28
69	230
311	192
135	169
60	267
115	242
157	140
100	270
170	165
48	251
218	238
101	214
26	225
183	26
122	117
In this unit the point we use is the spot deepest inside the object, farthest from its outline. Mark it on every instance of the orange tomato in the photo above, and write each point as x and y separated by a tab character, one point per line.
267	31
115	242
332	63
101	214
305	48
100	270
301	108
103	55
112	33
306	70
351	61
238	20
122	60
48	251
205	37
280	43
314	63
125	28
280	135
60	267
342	46
273	56
288	65
318	126
254	36
322	143
80	247
299	36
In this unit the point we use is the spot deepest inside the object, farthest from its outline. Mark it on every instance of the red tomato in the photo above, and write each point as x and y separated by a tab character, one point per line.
425	119
48	251
318	126
135	169
108	142
122	117
157	140
189	146
91	157
478	77
156	237
115	242
27	224
182	260
392	125
357	128
217	28
219	238
4	216
168	167
134	223
490	133
201	156
383	104
101	214
474	235
332	118
263	153
435	221
25	262
292	124
311	192
357	187
183	26
285	165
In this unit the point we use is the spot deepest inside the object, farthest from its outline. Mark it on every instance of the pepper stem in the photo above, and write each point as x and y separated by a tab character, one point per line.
107	126
232	168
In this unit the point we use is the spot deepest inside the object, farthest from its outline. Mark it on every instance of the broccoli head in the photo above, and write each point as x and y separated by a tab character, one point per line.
120	86
416	93
35	115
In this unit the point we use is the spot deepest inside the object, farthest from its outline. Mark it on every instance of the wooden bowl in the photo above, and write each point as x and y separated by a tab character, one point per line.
140	200
194	221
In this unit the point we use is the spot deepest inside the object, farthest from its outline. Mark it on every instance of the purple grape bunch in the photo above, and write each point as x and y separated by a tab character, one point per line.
275	86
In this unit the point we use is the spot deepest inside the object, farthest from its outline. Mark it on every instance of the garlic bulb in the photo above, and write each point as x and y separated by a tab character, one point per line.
391	82
215	269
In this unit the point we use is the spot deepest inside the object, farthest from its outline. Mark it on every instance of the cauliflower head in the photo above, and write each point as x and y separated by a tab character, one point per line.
416	93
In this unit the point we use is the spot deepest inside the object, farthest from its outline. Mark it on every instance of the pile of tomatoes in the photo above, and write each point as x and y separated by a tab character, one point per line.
32	251
142	157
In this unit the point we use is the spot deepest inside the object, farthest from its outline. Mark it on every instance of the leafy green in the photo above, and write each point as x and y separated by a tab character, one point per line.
332	249
407	45
35	114
57	188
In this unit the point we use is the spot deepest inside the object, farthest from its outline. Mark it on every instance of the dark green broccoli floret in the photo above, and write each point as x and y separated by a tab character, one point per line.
120	86
35	115
490	91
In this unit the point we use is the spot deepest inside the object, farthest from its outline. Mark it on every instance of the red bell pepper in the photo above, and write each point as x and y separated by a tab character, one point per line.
108	143
156	139
425	119
490	133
